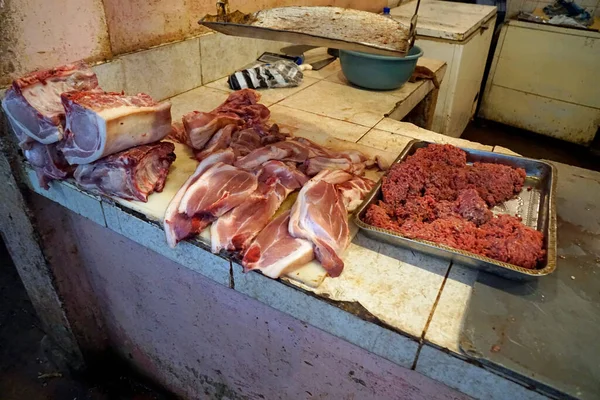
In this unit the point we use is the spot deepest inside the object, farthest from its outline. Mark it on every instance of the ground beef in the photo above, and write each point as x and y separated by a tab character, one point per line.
434	195
472	207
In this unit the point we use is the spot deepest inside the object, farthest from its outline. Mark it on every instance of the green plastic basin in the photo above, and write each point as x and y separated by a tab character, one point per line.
373	71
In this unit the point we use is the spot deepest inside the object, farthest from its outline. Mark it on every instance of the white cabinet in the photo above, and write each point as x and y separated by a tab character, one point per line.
546	79
459	34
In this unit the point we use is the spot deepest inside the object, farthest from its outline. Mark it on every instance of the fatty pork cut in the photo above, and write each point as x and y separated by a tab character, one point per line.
213	189
319	215
32	104
275	252
241	109
99	123
236	229
131	174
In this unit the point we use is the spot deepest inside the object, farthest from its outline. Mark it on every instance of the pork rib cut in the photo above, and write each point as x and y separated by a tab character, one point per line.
319	215
275	252
99	123
236	229
132	174
32	104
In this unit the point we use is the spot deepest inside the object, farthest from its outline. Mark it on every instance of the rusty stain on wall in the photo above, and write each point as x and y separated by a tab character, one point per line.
37	34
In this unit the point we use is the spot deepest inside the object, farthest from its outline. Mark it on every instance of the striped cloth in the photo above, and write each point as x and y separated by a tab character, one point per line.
279	74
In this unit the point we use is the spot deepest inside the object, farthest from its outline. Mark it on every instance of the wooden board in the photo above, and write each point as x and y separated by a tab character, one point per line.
312	274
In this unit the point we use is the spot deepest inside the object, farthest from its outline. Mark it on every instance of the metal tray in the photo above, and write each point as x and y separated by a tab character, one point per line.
332	27
535	206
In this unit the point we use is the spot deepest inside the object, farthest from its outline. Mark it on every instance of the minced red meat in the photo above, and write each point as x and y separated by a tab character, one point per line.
434	195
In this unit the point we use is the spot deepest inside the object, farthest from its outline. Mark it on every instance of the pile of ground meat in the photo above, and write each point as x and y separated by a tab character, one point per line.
434	195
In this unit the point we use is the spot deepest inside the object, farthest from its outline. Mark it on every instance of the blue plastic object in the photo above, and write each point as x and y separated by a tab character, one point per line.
373	71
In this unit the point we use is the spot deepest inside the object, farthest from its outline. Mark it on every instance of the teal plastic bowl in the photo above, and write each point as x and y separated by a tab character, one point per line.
373	71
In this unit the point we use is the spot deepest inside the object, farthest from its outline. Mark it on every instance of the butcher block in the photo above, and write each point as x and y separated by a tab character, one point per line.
312	274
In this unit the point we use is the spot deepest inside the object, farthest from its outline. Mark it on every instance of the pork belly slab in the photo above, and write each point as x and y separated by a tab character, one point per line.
236	229
33	106
132	174
99	123
275	252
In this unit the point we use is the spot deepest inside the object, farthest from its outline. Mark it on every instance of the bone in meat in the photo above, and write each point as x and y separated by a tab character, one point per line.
284	151
319	215
99	124
132	174
236	229
33	106
275	252
219	141
179	226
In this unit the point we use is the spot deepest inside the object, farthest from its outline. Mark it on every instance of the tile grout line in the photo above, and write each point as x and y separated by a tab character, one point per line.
327	116
370	129
435	303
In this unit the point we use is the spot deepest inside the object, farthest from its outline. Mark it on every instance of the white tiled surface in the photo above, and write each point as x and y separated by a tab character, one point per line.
268	96
199	99
410	130
343	102
397	285
299	122
448	319
163	71
470	379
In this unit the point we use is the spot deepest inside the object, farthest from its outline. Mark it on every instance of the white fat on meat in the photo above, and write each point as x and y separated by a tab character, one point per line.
289	150
219	141
179	226
354	191
275	252
319	215
201	126
33	105
236	229
99	124
132	174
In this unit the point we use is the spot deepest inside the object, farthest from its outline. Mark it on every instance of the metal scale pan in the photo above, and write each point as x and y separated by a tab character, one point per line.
332	27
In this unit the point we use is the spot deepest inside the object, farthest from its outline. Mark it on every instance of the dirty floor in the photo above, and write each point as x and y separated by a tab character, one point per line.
31	369
28	370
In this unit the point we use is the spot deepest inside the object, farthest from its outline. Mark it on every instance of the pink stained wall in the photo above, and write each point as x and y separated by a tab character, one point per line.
200	339
37	34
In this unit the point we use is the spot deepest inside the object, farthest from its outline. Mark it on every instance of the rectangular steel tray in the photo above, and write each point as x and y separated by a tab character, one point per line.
536	206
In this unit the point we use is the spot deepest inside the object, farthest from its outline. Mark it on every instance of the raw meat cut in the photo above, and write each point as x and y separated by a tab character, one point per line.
240	109
219	141
200	126
435	195
99	124
218	190
353	191
245	141
319	215
33	106
289	150
179	226
275	252
314	165
131	174
236	229
48	163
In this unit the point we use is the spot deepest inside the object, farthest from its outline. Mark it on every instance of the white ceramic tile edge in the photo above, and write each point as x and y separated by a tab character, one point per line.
470	378
381	341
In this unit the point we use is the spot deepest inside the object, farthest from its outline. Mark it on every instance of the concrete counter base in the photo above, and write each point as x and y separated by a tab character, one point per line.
198	338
